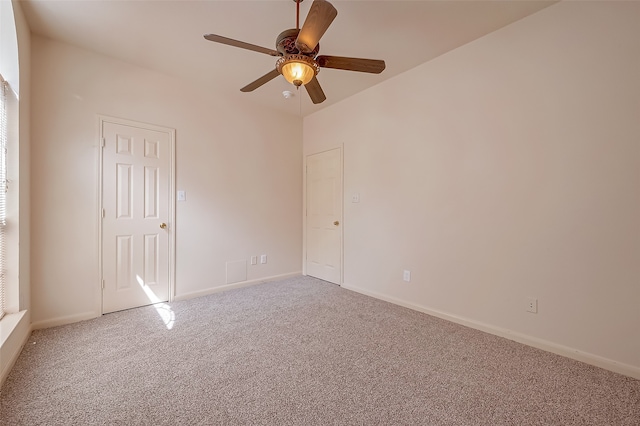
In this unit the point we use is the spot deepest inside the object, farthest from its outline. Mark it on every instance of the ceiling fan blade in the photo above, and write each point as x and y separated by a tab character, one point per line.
374	66
241	44
321	15
315	91
259	82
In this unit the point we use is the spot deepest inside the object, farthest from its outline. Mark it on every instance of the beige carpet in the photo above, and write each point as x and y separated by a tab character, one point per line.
300	352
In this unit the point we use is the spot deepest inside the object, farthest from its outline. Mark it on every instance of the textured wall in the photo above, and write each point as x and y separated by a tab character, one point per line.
505	169
241	174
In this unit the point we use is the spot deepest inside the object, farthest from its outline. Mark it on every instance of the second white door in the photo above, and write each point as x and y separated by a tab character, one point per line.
324	216
136	215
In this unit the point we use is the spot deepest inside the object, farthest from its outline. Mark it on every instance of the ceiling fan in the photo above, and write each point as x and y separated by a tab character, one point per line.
297	51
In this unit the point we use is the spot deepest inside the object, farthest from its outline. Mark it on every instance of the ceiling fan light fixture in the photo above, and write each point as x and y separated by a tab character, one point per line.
297	69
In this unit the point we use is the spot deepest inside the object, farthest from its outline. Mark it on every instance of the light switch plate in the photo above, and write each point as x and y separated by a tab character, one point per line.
182	196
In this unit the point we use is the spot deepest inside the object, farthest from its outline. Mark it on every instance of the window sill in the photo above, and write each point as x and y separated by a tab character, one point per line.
14	332
8	324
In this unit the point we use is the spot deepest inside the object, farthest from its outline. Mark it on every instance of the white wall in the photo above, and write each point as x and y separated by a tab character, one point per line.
240	171
9	45
508	168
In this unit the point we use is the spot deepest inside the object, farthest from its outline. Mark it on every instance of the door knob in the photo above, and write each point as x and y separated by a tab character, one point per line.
336	223
163	225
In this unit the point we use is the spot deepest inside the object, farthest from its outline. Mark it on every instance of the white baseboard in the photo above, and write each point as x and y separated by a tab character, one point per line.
14	333
545	345
68	319
234	285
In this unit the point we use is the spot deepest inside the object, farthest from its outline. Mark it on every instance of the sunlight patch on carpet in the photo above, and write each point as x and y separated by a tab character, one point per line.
165	312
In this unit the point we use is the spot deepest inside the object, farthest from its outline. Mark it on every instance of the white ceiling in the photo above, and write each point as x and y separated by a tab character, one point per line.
166	36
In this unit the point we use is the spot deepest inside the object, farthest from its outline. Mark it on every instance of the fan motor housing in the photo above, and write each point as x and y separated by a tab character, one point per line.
286	44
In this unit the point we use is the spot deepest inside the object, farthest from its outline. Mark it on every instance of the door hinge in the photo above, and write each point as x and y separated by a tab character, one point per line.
103	284
103	213
102	142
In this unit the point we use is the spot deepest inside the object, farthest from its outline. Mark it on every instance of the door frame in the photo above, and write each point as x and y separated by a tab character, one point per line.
171	220
304	210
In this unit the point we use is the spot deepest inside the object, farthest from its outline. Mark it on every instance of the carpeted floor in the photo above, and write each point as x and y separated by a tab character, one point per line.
300	352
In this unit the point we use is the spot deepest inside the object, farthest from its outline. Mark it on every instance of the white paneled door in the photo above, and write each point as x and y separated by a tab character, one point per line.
136	216
324	216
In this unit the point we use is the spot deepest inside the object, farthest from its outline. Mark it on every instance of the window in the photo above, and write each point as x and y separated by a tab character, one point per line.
3	189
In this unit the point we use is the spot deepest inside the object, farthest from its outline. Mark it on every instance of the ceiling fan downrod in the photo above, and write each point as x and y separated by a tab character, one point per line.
297	13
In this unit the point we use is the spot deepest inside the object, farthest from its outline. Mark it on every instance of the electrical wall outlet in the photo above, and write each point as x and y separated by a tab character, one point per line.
532	305
263	258
406	275
254	260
